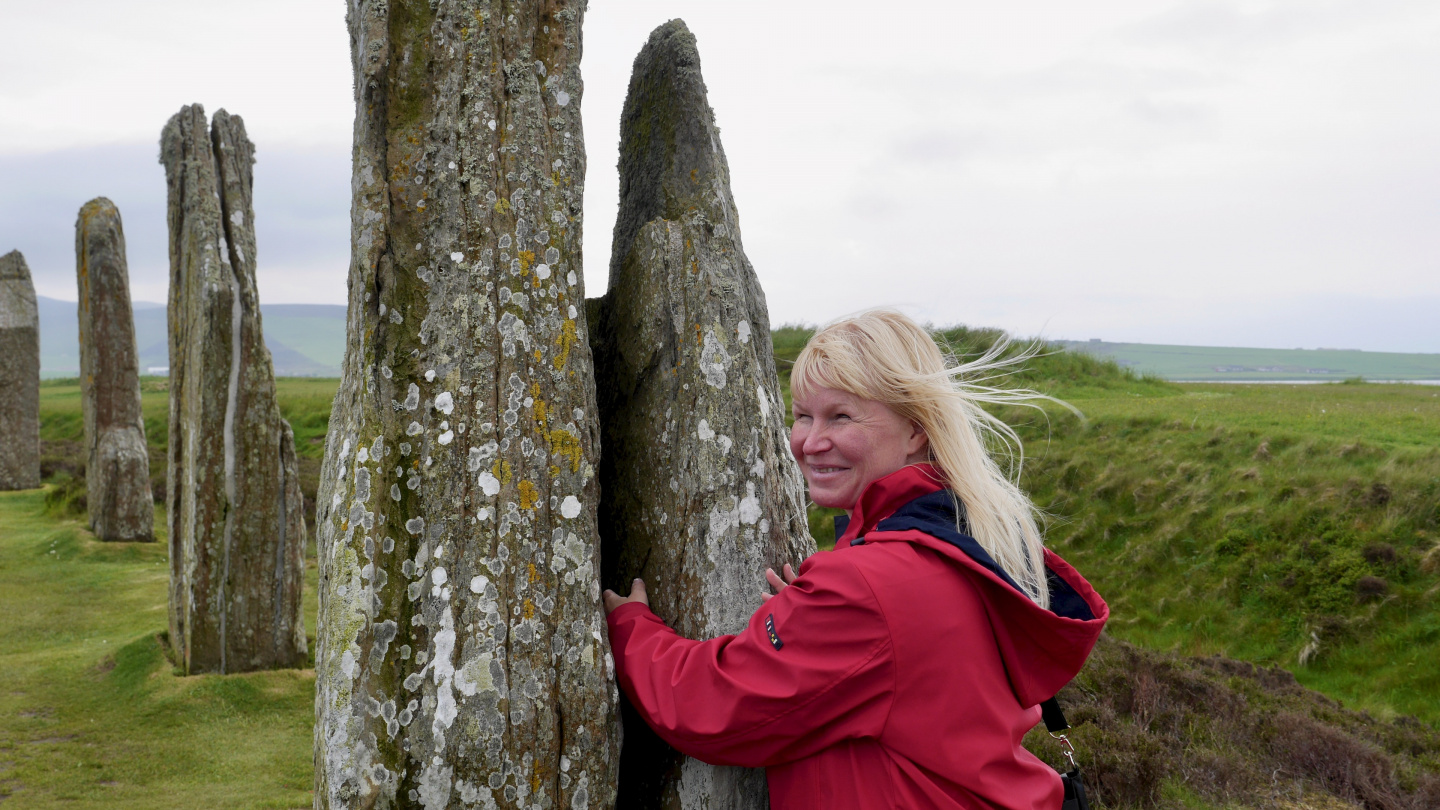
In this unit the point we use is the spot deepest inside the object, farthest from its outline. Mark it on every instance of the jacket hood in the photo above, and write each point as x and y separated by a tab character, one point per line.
1042	649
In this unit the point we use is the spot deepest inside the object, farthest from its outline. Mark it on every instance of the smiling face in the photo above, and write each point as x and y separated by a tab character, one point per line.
844	442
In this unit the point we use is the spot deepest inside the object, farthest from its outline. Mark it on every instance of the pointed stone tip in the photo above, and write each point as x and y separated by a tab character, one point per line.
13	266
669	42
100	206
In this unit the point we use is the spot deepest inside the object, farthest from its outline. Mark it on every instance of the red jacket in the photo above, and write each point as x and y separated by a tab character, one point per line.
901	671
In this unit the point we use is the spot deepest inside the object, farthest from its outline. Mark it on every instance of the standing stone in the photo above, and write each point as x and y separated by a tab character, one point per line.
117	469
19	376
462	659
701	492
233	501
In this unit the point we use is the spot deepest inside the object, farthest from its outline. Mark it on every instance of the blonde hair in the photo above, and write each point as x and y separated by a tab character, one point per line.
882	355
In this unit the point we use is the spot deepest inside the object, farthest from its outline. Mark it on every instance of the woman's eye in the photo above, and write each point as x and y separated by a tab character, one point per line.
842	416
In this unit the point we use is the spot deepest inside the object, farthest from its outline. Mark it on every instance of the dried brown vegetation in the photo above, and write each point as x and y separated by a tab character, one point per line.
1154	729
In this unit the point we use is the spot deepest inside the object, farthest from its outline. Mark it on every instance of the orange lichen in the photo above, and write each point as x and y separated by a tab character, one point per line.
566	341
527	258
566	444
529	609
528	495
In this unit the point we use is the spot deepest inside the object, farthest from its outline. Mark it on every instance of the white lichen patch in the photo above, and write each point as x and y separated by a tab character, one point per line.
489	484
713	360
570	507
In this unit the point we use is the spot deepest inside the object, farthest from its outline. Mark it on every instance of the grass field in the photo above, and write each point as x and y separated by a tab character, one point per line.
92	713
1297	526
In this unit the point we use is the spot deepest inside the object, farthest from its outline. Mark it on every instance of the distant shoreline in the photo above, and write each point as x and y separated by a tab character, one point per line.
1306	382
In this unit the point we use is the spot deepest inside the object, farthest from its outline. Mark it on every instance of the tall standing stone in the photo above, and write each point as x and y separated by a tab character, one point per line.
701	492
233	501
19	376
462	658
117	469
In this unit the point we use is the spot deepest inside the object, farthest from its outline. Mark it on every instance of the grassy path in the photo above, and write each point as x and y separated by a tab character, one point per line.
91	712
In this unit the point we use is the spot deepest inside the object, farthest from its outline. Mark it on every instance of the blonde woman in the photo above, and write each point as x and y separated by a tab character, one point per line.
903	668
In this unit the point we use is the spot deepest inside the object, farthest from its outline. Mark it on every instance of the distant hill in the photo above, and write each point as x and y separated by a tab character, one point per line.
1220	363
305	340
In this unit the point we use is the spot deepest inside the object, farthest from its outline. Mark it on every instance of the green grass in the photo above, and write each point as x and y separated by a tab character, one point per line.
91	712
1200	363
1248	521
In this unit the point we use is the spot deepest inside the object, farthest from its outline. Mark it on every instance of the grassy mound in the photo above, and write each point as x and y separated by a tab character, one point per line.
1286	525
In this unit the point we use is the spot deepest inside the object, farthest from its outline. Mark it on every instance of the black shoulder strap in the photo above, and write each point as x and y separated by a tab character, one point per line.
1052	715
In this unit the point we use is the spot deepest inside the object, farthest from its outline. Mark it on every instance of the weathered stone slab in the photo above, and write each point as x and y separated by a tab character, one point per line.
19	376
233	502
462	659
117	469
701	493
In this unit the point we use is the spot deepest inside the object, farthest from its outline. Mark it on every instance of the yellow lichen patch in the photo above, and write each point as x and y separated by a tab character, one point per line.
527	258
502	471
502	206
566	341
533	572
566	444
538	358
554	471
529	609
528	495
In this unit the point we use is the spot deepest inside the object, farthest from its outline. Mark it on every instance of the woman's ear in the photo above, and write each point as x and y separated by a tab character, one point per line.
918	444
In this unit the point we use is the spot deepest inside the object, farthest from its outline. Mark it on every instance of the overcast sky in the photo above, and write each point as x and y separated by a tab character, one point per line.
1221	172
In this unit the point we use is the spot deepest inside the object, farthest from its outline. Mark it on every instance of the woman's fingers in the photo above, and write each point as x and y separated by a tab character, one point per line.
612	600
774	580
789	574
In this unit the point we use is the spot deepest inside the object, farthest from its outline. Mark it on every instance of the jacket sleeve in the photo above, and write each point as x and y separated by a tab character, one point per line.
813	667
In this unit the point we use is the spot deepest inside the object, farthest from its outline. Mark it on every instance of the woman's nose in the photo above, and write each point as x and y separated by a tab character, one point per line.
816	441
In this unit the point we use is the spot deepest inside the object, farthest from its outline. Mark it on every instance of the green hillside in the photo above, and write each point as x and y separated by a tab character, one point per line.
305	340
1218	363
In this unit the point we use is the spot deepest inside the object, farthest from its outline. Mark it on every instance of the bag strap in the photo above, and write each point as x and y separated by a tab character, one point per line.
1056	724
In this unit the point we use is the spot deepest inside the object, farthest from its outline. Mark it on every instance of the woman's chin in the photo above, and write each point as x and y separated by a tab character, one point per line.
832	500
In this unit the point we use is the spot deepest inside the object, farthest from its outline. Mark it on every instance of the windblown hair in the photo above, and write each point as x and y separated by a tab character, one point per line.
882	355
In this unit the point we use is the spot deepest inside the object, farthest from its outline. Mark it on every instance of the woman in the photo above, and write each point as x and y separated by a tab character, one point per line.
903	668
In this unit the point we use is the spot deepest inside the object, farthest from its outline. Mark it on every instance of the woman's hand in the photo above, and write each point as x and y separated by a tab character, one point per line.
776	582
637	594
